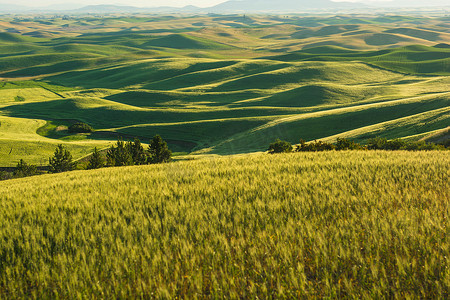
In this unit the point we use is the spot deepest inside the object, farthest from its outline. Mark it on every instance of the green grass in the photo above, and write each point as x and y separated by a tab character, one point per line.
152	98
303	225
317	125
180	41
423	34
24	61
29	94
273	91
19	139
413	59
418	125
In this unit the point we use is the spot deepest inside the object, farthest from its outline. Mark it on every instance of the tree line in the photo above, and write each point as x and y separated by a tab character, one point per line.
133	153
120	154
377	143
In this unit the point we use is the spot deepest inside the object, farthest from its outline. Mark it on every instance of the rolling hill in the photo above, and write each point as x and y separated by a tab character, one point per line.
219	84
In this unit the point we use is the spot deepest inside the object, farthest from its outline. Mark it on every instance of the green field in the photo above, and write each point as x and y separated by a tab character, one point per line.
219	84
353	224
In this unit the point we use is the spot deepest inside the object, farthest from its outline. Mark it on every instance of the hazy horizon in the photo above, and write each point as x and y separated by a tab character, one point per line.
146	3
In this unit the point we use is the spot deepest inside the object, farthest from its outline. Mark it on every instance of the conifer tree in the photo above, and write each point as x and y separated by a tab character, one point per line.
137	152
159	151
23	169
119	155
61	160
96	160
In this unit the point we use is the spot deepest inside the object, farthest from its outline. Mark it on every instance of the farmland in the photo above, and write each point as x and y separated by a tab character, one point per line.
225	220
218	84
336	224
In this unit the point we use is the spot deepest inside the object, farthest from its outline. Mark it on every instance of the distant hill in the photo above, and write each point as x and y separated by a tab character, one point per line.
232	6
410	3
102	8
282	5
133	9
108	9
229	6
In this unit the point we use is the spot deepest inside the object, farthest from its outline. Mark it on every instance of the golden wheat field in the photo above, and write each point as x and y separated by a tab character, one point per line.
359	224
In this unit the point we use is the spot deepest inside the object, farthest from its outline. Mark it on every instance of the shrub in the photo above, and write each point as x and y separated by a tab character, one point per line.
280	146
421	145
398	144
23	169
61	161
80	127
346	144
4	175
96	160
376	143
158	151
315	146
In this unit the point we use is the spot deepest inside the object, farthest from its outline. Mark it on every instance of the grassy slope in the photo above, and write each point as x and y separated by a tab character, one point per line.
18	140
337	224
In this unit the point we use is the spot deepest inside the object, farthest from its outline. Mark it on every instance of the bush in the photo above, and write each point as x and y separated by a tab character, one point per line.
315	146
80	127
19	99
346	144
96	160
421	145
280	146
158	151
398	144
376	143
61	161
23	169
4	175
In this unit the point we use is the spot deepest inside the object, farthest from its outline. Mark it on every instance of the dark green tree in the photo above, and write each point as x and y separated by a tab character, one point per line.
119	155
158	151
61	160
23	169
280	146
80	127
137	152
96	160
395	144
376	143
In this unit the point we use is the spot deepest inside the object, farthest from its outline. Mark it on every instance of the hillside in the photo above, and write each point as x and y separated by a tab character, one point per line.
219	84
359	224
